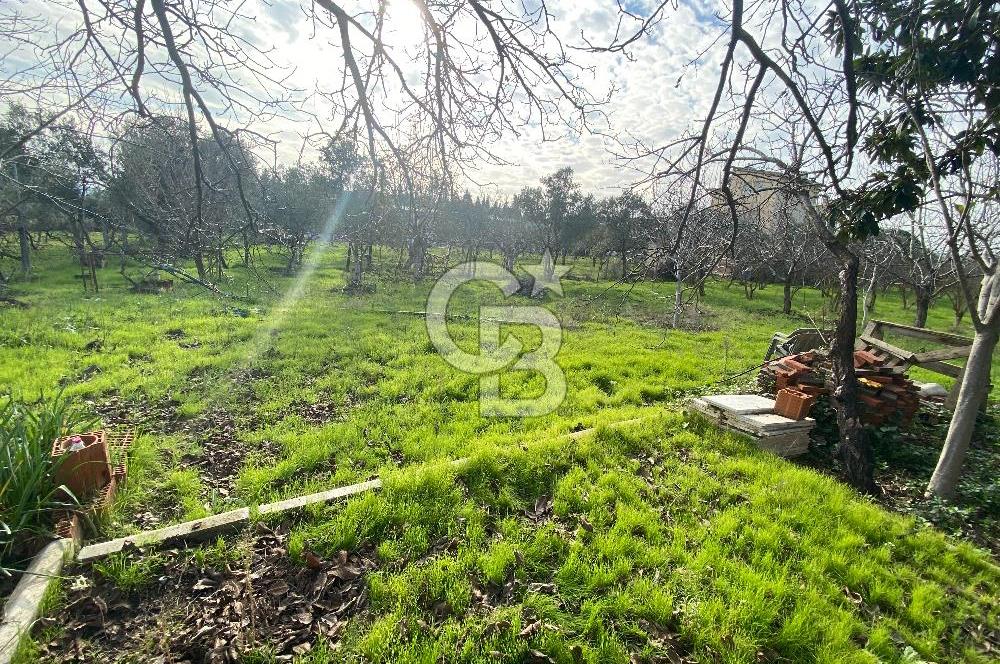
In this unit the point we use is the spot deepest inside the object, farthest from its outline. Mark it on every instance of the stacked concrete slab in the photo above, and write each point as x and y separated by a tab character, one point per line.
754	416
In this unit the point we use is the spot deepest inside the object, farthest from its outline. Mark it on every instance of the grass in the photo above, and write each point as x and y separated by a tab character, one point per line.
29	495
390	399
649	542
663	539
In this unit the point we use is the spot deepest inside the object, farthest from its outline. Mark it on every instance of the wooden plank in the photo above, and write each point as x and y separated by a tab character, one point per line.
905	355
942	368
925	334
321	497
872	330
196	530
952	353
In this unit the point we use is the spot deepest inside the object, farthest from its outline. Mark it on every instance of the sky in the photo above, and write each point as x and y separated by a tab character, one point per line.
648	103
660	91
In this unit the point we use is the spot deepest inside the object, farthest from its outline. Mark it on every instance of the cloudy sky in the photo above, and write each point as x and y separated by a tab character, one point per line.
660	90
649	102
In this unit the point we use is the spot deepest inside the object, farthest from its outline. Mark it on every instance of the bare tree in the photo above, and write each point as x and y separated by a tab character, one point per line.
796	92
915	256
486	69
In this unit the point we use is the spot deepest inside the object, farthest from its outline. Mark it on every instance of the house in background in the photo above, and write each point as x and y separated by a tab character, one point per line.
766	198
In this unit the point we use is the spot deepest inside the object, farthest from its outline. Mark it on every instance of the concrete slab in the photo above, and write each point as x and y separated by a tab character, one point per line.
23	605
785	445
196	530
772	422
741	404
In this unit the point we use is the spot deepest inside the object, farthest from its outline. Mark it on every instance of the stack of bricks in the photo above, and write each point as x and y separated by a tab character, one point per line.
883	391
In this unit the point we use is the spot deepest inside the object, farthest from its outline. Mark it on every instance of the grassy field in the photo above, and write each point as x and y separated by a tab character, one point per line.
329	388
662	541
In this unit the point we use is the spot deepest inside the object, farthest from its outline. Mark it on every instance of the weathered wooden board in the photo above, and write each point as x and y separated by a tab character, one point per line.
904	354
189	531
943	368
923	333
940	354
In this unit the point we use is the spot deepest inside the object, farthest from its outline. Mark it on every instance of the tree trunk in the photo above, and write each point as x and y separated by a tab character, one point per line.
974	389
678	294
624	265
786	304
870	297
923	305
197	252
356	271
25	242
417	256
78	245
199	263
854	448
105	235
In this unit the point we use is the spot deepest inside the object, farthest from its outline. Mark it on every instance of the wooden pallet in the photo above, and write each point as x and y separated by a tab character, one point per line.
872	340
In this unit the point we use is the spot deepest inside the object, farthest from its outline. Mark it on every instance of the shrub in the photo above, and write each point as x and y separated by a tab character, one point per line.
28	493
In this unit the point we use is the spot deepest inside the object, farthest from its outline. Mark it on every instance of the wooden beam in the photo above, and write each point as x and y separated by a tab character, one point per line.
952	353
925	334
872	330
905	355
942	368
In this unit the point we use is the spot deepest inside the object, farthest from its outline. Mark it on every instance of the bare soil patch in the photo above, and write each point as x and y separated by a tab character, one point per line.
222	454
258	600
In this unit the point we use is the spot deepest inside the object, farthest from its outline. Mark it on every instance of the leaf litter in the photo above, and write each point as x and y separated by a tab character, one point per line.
194	614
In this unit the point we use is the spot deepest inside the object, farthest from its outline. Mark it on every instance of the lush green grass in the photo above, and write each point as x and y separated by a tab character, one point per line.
664	537
392	399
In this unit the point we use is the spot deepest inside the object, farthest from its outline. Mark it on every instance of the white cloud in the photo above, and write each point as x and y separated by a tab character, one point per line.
649	105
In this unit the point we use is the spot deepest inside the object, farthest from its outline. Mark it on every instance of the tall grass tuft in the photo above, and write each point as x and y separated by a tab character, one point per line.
28	493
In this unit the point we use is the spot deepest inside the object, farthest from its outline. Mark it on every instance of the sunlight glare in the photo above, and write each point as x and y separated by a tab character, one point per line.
405	22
